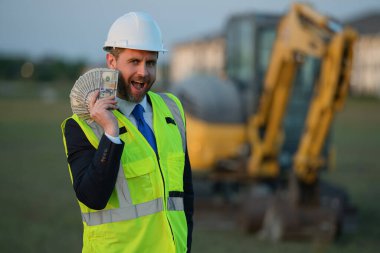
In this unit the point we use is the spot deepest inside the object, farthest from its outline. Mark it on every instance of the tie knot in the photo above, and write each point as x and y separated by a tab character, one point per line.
138	112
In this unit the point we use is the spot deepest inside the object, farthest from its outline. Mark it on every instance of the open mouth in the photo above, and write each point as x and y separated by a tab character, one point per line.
138	85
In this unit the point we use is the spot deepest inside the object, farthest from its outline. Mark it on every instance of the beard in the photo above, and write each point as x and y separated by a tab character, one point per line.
125	90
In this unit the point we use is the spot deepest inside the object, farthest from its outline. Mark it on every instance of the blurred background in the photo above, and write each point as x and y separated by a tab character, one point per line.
46	45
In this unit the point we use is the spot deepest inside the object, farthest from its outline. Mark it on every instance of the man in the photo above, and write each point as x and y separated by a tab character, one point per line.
129	165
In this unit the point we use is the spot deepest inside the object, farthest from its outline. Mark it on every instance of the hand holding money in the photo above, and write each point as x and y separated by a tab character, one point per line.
100	112
102	80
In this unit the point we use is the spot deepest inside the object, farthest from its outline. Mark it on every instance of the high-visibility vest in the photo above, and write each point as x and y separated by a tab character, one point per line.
145	212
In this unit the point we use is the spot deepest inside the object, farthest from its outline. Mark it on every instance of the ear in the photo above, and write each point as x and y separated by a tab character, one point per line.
111	61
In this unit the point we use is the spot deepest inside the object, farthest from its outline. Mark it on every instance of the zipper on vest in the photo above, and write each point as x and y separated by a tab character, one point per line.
165	197
163	182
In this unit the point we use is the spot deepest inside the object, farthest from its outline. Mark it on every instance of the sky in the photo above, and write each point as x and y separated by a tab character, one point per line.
77	29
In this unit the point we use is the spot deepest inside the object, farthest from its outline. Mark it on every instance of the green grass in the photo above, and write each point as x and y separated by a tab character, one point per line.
39	212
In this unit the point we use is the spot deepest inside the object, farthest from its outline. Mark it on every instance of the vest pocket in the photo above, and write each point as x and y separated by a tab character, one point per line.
139	179
175	166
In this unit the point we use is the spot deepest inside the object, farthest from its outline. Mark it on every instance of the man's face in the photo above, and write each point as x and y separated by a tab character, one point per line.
137	73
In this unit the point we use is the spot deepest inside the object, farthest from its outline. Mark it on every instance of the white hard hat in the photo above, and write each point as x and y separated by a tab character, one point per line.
135	30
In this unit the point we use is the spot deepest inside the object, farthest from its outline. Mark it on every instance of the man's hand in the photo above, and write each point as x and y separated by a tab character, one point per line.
100	112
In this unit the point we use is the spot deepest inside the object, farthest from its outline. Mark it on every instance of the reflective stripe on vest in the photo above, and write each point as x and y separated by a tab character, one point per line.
132	211
173	107
123	213
175	204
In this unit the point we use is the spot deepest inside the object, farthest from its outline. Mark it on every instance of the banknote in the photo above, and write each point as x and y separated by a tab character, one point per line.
108	83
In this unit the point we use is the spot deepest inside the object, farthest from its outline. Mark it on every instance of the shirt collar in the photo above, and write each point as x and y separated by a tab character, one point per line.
126	107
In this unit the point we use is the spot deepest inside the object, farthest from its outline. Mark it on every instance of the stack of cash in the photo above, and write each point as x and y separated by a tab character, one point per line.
102	79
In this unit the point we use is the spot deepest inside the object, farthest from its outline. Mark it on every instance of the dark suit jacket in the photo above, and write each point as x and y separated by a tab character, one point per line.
95	171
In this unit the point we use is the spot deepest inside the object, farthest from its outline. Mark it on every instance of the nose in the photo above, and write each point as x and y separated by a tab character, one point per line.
142	69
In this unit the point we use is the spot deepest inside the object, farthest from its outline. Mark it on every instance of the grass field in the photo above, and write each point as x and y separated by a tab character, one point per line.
39	212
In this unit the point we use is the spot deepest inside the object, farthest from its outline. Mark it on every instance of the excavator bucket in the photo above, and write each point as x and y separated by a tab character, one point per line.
277	216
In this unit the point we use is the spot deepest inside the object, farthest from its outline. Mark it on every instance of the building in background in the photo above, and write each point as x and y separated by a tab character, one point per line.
201	56
366	66
207	56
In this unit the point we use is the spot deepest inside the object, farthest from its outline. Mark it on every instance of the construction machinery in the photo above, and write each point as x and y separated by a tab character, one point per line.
262	136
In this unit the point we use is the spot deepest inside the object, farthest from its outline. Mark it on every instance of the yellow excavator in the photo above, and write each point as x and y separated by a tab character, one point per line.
265	130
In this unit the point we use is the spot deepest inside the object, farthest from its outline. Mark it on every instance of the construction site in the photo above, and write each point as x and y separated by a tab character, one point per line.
261	100
283	123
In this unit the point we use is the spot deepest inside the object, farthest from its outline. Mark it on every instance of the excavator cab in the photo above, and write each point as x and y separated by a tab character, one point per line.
218	106
249	41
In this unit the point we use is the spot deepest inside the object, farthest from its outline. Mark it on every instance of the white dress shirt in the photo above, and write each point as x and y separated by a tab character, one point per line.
126	108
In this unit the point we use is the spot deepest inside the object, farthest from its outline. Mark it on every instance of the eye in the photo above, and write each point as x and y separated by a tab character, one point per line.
151	63
133	61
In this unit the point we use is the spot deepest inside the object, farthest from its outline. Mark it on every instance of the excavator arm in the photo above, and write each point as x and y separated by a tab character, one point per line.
329	98
302	32
298	209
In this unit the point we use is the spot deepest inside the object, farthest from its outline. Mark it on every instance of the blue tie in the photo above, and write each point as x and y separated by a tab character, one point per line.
144	127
